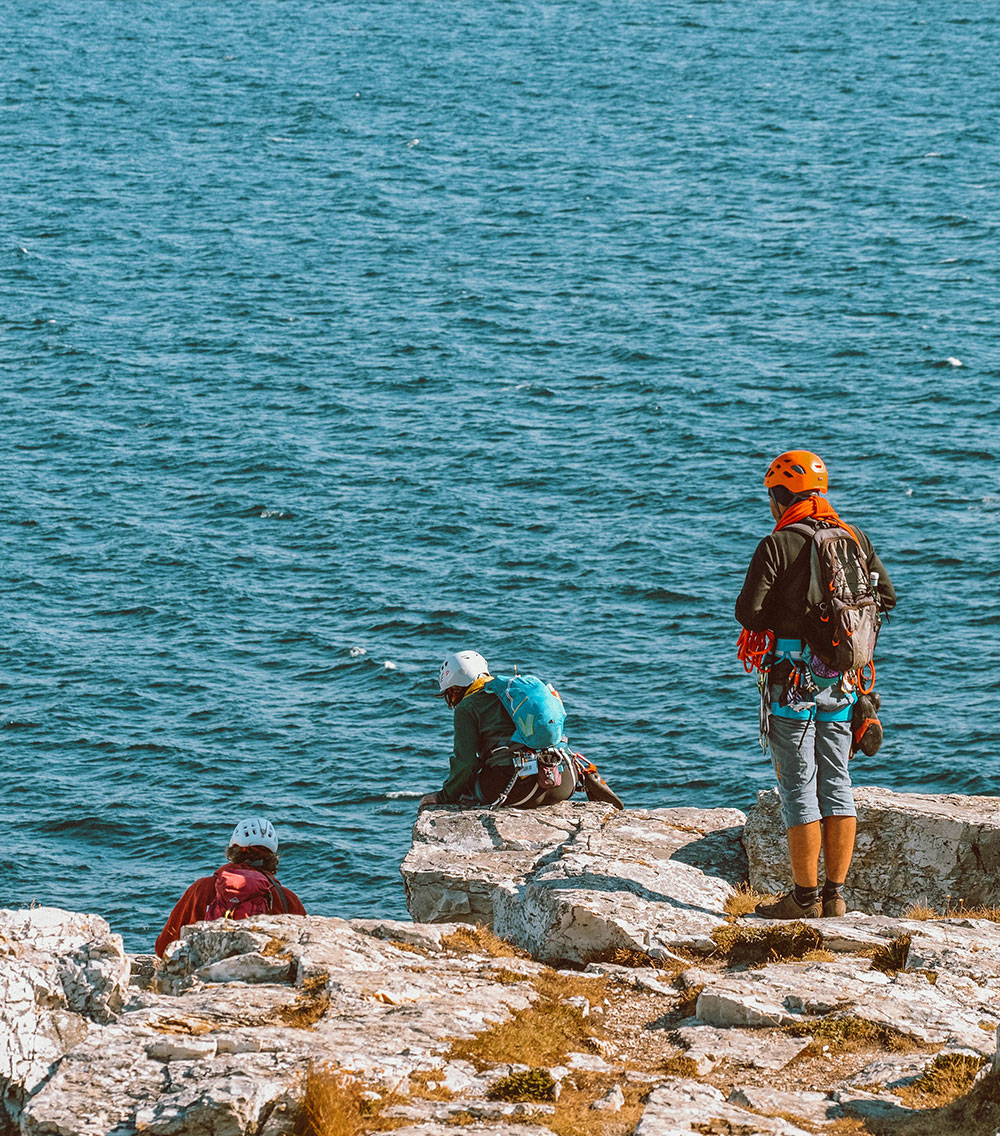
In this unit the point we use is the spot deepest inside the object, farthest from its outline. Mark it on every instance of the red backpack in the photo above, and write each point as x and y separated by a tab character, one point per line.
241	892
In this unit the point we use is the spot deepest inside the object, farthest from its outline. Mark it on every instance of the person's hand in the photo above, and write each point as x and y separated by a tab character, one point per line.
427	799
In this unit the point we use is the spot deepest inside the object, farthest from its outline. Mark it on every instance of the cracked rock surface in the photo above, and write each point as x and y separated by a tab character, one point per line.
578	879
215	1039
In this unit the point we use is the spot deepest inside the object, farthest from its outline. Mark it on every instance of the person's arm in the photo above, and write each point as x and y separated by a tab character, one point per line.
752	600
464	759
190	908
886	592
294	903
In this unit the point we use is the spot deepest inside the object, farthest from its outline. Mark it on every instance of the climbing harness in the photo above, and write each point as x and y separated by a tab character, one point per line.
543	766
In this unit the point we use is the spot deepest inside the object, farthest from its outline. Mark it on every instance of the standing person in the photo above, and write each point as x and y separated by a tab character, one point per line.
809	706
245	885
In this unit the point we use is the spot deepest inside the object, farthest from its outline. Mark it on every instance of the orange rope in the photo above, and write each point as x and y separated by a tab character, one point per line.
752	647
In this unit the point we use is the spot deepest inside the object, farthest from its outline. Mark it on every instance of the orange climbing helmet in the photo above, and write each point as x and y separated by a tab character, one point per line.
799	471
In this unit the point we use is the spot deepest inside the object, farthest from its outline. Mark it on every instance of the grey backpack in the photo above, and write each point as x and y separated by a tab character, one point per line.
842	608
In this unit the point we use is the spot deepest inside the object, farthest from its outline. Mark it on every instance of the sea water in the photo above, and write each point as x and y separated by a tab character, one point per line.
337	337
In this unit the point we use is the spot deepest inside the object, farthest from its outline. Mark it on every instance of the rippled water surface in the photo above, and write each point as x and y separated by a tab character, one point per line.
338	336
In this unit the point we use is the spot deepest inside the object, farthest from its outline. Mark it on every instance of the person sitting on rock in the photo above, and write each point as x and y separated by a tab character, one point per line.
245	885
487	765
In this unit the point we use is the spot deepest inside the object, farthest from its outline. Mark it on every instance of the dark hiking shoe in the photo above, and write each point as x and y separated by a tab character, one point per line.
787	908
834	908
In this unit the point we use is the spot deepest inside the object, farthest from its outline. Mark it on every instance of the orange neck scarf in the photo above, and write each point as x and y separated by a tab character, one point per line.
815	506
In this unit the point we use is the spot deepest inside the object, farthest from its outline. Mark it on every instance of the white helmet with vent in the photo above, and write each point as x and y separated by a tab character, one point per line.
256	832
461	669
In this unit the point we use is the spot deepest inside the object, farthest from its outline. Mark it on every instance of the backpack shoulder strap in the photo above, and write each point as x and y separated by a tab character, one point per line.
277	891
803	527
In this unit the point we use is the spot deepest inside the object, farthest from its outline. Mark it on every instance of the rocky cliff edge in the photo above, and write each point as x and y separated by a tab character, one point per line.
571	970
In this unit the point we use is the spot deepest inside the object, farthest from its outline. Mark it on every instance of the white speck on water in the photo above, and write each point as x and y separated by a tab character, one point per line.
953	362
390	665
357	652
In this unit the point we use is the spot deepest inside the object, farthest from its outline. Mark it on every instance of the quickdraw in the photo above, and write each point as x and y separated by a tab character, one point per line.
861	684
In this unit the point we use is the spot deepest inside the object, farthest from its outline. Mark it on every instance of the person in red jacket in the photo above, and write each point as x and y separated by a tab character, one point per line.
244	886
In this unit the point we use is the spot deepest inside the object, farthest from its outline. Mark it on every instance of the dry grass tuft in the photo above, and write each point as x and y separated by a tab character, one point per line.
310	1005
191	1027
819	956
508	977
532	1085
462	1119
948	1076
687	1003
979	911
544	1032
554	985
626	956
921	911
275	947
426	1084
744	900
335	1102
409	948
843	1032
679	1066
975	1114
890	958
480	941
574	1116
746	944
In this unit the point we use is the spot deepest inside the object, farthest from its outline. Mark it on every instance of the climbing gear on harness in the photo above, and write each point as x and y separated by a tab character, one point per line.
866	729
799	471
461	669
543	766
535	706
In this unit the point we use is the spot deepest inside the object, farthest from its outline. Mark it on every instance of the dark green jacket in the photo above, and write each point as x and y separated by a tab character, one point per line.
481	724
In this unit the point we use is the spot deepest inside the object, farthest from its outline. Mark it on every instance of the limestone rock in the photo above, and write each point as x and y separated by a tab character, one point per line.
911	849
688	1108
708	1047
893	1072
60	973
809	1107
201	1058
576	880
612	1101
949	1011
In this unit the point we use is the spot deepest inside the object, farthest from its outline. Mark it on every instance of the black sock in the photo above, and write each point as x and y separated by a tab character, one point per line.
806	896
832	890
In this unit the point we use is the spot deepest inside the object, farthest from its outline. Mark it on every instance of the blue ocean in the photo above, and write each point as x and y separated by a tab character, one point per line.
339	336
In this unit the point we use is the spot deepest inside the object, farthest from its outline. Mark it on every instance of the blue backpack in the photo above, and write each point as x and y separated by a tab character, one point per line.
537	710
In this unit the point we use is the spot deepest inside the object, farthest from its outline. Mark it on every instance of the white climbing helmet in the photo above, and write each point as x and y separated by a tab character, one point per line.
257	832
461	669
